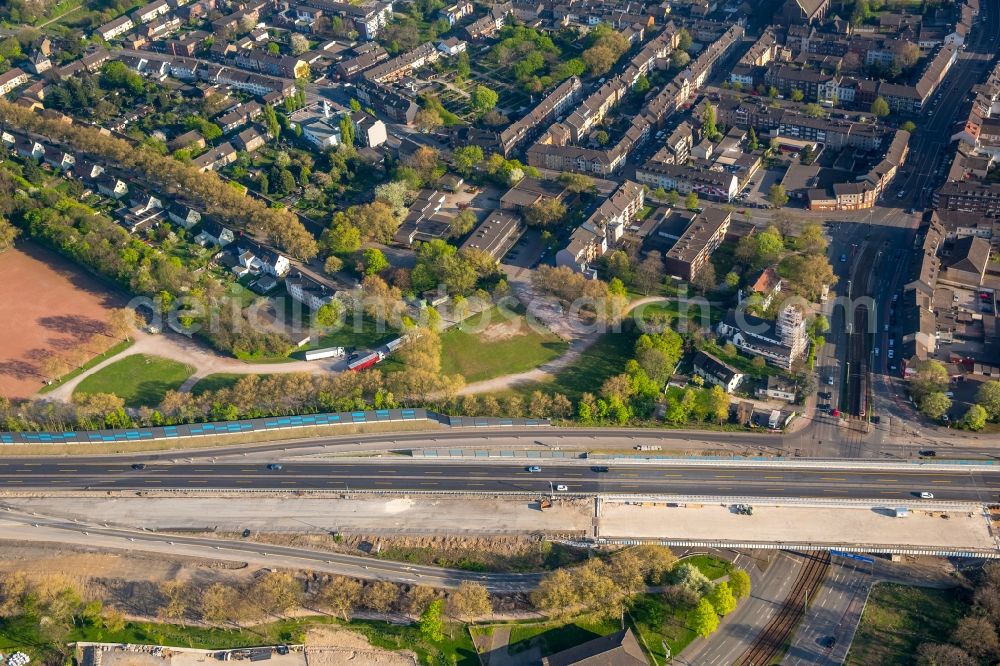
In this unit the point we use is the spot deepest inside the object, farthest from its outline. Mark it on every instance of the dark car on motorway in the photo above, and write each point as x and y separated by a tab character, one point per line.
599	469
138	465
274	467
928	453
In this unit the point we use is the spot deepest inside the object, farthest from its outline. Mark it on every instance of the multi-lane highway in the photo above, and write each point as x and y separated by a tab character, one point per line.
902	481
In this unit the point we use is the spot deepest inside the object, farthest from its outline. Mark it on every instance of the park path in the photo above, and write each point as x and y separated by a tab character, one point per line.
205	361
182	349
581	336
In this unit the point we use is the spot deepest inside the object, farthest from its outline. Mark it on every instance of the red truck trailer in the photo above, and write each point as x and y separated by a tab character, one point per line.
365	361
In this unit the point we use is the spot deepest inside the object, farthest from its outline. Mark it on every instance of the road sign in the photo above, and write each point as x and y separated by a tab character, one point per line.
854	556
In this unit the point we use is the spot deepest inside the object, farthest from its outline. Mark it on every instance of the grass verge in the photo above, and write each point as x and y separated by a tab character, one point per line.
114	350
898	618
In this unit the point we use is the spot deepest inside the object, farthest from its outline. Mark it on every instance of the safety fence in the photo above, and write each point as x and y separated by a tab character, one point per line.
268	424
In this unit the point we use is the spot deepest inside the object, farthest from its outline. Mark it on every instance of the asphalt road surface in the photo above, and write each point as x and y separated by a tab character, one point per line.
387	475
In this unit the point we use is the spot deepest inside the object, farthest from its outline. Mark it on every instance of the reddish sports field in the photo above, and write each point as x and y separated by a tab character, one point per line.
46	304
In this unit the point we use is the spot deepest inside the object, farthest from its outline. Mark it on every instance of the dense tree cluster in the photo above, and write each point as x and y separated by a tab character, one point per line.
209	191
533	58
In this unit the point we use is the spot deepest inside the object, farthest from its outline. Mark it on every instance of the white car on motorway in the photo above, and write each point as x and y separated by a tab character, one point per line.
562	487
926	495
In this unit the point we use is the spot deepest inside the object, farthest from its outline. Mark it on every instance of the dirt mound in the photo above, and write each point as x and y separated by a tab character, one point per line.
330	646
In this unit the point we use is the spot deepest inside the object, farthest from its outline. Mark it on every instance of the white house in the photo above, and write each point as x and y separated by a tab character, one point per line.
717	372
257	258
213	233
311	293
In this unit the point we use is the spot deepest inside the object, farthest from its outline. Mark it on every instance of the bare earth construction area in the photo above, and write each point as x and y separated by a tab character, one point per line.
47	305
953	528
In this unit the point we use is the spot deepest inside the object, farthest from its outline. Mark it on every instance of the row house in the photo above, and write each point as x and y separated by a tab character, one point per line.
215	158
116	28
969	196
491	24
404	64
706	182
813	84
394	105
241	115
353	66
694	247
151	11
595	107
553	105
703	67
368	18
260	61
11	79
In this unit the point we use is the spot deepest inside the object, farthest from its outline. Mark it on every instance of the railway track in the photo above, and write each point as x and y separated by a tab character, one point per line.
769	644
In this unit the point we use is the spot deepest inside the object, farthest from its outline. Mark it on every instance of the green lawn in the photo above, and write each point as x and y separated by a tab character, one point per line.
108	353
494	343
139	379
26	635
898	618
651	618
221	380
552	637
711	566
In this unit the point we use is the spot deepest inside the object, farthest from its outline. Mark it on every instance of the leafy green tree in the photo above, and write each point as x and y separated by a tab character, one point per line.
813	110
684	40
935	405
673	197
880	108
342	238
739	582
484	99
752	142
347	131
691	201
704	621
328	315
974	418
908	126
465	158
374	261
988	396
708	122
722	599
641	84
732	279
776	195
333	264
432	622
797	95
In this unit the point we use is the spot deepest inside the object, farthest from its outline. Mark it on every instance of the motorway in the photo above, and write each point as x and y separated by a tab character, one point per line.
500	477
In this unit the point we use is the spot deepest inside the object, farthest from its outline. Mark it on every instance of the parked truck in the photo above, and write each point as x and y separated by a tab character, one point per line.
366	361
393	345
325	352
